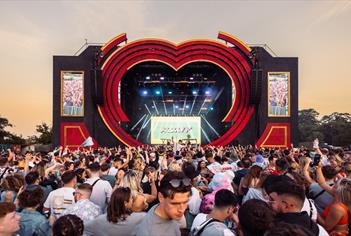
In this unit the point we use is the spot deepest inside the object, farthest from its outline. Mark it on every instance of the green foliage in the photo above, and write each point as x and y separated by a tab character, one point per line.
334	129
7	137
45	133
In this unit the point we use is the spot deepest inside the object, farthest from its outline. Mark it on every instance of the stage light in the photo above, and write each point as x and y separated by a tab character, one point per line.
147	77
176	106
162	78
169	92
158	92
191	78
207	92
194	92
145	92
187	106
211	108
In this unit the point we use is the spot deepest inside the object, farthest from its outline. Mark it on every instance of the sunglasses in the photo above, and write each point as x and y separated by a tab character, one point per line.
177	182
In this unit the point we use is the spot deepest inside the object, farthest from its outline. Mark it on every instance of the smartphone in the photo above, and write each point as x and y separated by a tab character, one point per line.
316	160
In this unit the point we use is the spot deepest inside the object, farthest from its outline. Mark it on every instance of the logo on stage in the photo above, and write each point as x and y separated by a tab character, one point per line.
185	130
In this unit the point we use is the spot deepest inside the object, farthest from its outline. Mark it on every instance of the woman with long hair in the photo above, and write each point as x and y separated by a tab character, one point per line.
335	217
250	180
141	200
119	219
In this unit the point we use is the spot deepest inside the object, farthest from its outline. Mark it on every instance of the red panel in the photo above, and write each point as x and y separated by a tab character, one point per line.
73	134
275	135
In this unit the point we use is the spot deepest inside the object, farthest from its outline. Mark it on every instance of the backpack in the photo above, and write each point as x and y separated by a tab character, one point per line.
198	230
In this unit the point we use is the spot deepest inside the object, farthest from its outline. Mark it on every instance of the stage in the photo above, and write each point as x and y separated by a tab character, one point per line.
152	91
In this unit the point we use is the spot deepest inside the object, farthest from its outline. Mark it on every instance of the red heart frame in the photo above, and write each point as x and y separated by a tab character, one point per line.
234	61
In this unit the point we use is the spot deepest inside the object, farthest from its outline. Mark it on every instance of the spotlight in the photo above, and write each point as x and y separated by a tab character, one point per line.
158	92
147	77
176	106
194	92
207	92
191	78
187	106
169	92
144	92
211	108
162	78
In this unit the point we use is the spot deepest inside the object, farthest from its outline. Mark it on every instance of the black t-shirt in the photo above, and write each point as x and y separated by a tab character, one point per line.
300	218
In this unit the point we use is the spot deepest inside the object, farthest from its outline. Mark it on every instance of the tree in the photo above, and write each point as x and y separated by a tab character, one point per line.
337	128
309	125
7	137
45	132
4	135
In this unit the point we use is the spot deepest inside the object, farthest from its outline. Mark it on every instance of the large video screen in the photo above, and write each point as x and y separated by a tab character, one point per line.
278	94
72	95
174	128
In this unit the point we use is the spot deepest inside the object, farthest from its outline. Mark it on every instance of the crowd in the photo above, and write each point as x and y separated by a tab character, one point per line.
182	190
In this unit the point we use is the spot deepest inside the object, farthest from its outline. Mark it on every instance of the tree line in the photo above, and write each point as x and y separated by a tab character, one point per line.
333	129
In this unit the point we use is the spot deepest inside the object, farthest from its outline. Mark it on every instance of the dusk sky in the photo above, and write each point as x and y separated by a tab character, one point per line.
31	32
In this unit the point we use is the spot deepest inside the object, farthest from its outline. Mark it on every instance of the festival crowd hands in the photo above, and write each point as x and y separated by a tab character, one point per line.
176	190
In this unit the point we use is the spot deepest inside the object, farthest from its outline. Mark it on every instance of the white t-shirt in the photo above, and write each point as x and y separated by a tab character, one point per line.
195	201
59	199
307	207
113	171
101	194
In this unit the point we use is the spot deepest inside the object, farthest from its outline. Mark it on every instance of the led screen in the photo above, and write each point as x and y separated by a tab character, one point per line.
174	128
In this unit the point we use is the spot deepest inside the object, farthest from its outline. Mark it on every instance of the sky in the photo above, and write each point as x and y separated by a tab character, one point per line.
31	32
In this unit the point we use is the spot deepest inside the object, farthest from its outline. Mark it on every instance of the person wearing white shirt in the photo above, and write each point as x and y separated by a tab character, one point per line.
60	199
102	189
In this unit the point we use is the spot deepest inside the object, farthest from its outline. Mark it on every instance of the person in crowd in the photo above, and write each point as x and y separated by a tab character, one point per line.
60	199
102	189
68	225
246	163
140	200
286	199
285	229
119	219
5	169
10	187
320	196
83	208
32	222
105	169
225	206
119	176
9	220
174	194
256	192
32	179
251	179
271	168
255	218
195	200
282	166
335	217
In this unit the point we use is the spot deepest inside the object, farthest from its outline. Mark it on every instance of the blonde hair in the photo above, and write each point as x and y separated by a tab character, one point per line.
131	180
343	191
174	166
